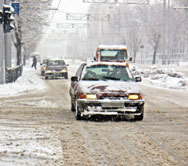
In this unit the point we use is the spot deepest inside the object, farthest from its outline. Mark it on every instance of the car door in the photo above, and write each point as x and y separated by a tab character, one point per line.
74	84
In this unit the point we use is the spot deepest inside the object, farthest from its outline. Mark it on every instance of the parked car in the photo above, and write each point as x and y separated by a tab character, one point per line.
56	69
43	66
103	88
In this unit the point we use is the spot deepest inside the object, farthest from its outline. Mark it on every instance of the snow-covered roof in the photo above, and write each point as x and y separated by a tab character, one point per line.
113	46
106	63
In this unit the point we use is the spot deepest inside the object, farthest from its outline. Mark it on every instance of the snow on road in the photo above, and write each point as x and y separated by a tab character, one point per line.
28	137
28	146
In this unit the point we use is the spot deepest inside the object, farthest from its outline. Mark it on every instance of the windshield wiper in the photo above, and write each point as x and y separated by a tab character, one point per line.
93	79
111	78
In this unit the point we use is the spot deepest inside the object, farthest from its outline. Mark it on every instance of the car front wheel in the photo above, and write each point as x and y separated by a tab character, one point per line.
66	76
72	107
78	114
141	116
42	73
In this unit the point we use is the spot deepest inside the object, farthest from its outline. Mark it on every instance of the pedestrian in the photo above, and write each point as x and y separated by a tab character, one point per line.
34	64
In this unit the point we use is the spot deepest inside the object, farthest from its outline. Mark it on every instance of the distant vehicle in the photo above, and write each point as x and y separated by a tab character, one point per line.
112	53
43	66
56	69
106	89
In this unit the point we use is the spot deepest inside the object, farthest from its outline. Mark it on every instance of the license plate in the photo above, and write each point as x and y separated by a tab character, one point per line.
113	105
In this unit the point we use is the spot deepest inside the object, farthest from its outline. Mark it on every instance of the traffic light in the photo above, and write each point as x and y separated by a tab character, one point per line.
8	18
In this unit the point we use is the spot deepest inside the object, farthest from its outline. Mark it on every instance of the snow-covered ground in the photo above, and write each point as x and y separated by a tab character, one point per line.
34	143
30	146
29	81
171	77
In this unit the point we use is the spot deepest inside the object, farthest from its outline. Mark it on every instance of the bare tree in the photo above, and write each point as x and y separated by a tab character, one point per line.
152	19
29	25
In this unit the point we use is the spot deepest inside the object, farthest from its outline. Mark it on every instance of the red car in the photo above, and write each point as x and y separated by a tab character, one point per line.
104	88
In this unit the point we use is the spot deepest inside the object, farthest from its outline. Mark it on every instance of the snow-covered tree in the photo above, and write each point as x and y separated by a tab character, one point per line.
29	25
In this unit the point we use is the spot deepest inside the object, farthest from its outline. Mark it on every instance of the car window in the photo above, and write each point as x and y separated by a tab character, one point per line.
56	63
106	72
79	71
45	61
113	55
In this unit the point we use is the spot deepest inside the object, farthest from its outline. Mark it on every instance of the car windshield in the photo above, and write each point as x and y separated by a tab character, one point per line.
45	61
113	55
107	72
56	63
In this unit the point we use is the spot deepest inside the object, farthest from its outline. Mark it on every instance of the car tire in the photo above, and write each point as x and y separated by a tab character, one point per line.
46	77
141	116
66	76
72	107
42	73
78	114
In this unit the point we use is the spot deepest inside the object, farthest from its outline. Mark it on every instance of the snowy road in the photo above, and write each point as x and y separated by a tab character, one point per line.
39	129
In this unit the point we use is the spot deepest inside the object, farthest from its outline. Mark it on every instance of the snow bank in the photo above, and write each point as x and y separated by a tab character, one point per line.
162	76
28	82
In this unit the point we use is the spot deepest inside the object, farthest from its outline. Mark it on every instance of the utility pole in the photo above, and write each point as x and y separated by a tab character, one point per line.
2	58
7	44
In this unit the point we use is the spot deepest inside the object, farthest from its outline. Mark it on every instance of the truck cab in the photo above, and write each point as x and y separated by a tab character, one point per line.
112	53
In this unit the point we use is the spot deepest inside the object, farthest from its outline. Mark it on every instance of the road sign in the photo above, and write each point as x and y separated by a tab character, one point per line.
16	7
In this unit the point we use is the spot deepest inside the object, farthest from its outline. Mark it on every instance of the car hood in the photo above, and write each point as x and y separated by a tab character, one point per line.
111	87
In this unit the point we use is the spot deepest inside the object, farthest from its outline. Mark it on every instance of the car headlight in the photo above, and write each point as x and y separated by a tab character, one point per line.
91	96
134	96
88	96
44	68
49	71
64	70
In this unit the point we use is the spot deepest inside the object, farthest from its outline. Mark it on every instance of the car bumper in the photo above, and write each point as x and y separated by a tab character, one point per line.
56	74
110	107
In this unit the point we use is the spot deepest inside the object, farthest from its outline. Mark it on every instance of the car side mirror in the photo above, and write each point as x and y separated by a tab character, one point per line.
130	58
138	79
74	79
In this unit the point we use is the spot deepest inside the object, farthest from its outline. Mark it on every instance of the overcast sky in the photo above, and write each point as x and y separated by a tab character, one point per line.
48	47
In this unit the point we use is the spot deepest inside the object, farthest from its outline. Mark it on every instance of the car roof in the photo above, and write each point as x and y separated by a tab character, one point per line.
112	46
56	60
106	63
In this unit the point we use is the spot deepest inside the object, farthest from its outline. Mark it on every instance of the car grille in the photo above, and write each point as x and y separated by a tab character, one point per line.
57	69
113	97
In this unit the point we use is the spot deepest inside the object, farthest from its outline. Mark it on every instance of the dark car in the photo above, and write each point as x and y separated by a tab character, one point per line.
56	69
106	89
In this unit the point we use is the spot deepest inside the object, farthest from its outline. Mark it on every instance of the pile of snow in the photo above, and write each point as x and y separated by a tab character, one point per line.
28	82
161	76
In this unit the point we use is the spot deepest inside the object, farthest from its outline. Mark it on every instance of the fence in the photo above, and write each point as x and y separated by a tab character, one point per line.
13	73
159	61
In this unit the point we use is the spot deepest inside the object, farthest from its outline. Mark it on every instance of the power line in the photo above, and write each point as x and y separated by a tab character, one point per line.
56	10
